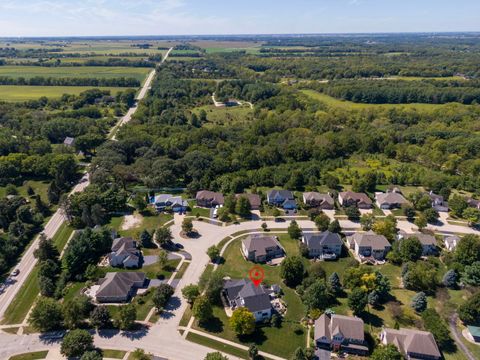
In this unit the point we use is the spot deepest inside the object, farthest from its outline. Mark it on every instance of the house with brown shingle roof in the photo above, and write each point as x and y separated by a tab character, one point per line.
390	200
318	200
209	199
254	200
349	198
261	248
369	244
125	253
429	243
339	332
413	344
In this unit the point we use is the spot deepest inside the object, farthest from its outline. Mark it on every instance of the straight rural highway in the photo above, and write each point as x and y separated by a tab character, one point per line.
12	285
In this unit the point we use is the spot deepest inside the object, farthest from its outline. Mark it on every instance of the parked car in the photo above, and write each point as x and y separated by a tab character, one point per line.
15	272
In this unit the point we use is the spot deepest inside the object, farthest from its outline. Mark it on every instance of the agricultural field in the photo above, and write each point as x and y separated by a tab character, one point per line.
349	105
19	93
212	47
103	72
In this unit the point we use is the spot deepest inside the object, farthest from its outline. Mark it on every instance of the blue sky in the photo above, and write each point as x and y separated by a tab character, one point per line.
178	17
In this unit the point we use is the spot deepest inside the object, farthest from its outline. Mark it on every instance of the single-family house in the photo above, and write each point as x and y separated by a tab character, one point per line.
349	198
413	344
390	200
168	201
69	141
282	198
209	199
429	243
119	287
325	244
341	333
243	293
473	203
125	253
254	199
318	200
438	203
369	244
262	248
451	242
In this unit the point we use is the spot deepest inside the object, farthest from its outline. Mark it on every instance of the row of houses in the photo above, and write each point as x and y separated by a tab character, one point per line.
346	333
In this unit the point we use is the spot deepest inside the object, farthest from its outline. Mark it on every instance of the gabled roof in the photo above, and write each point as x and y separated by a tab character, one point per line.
207	195
370	239
123	242
253	199
354	196
425	239
315	196
286	194
260	243
318	240
452	240
244	293
413	341
118	284
390	198
162	198
351	327
69	141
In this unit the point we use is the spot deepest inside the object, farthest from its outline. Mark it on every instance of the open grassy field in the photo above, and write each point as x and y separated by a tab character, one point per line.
226	115
14	93
40	188
331	101
251	47
102	72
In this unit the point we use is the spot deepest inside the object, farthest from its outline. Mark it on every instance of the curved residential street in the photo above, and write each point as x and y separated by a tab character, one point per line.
163	338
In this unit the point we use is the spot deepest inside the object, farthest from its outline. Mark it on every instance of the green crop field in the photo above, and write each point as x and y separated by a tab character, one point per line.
13	93
331	101
104	72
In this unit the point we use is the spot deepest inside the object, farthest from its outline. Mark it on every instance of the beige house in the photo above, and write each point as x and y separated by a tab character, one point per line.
413	344
261	248
208	199
318	200
369	245
349	198
390	200
339	332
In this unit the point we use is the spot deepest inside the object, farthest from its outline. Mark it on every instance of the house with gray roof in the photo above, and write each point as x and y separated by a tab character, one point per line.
390	200
451	242
262	248
438	203
349	198
209	199
341	333
282	198
325	244
69	141
413	344
119	287
125	253
369	245
429	243
318	200
163	202
243	293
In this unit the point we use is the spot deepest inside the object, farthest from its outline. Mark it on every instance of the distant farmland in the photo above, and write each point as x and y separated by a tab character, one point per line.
24	93
104	72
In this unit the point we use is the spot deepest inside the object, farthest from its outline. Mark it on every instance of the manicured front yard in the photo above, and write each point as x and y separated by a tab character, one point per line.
202	340
113	354
279	341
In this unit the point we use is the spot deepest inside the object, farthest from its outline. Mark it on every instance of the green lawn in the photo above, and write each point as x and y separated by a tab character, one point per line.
349	105
202	340
282	341
113	354
182	270
19	93
31	356
226	115
99	72
19	307
148	222
61	237
200	211
40	187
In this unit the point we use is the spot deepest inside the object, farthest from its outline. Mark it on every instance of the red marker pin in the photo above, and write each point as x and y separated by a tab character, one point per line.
256	275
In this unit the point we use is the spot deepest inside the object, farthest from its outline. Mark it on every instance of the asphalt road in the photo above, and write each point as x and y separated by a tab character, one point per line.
12	285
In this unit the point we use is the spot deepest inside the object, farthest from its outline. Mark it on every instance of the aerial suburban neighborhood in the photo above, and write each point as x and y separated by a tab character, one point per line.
304	185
